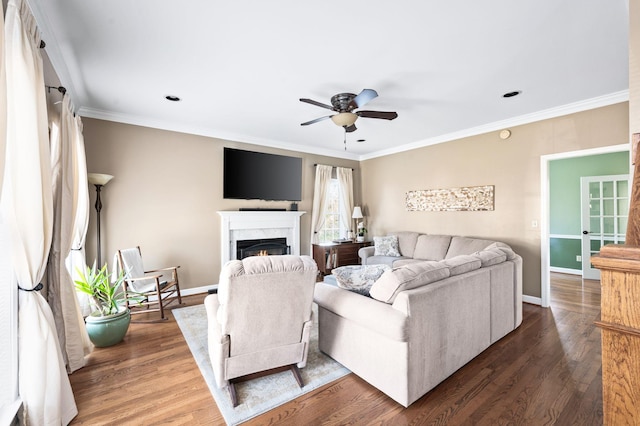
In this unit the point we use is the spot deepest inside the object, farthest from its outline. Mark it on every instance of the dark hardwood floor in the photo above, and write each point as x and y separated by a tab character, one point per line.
547	372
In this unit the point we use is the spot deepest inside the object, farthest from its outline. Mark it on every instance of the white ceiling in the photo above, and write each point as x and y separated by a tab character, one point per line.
240	67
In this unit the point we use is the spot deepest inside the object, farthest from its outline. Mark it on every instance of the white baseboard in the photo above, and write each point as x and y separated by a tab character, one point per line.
197	290
190	291
565	270
531	299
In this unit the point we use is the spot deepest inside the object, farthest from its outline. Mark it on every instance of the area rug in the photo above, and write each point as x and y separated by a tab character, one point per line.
263	394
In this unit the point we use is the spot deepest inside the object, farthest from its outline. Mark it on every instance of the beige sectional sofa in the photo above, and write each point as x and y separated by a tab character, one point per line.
440	306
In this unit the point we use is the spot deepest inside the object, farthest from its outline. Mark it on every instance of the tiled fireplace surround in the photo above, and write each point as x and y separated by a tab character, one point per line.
254	225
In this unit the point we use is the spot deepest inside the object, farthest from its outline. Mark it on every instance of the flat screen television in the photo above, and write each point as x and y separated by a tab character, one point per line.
250	175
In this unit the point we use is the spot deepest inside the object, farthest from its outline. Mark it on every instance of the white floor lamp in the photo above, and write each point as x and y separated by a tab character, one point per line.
99	180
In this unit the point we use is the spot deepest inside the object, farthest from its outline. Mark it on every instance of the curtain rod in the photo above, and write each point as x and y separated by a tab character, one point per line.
316	164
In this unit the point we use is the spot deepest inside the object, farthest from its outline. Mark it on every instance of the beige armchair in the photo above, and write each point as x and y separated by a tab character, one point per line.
261	318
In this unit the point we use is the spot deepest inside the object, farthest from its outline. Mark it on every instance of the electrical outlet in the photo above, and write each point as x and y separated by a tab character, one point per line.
578	258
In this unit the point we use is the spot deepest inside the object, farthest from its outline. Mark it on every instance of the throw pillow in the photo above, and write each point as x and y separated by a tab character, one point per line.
386	246
358	278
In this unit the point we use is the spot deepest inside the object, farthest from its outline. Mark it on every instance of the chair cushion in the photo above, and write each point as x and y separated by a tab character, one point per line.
407	277
133	268
386	246
358	278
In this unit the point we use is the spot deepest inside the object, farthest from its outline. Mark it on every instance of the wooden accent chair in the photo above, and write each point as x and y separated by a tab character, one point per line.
157	287
260	320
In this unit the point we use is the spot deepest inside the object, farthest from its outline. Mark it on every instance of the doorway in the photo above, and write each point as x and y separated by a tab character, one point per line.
545	214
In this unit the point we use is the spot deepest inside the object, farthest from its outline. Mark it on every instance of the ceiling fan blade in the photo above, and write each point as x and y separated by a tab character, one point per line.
386	115
316	120
363	98
316	103
351	128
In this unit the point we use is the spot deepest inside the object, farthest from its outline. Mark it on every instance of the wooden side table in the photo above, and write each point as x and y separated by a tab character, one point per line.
331	255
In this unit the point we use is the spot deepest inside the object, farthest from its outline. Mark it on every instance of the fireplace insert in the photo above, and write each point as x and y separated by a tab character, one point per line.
262	247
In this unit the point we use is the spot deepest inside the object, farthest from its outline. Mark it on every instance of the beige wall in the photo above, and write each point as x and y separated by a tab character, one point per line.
166	192
512	165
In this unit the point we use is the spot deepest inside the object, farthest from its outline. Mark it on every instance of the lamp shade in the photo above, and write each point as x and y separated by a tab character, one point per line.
357	213
344	119
99	178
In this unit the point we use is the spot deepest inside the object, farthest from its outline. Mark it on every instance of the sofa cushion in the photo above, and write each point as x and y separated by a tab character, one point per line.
462	264
466	245
410	276
401	261
385	260
490	257
407	242
505	248
386	246
358	278
432	247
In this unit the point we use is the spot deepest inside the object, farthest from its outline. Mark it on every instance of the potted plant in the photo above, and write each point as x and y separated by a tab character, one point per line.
109	322
361	231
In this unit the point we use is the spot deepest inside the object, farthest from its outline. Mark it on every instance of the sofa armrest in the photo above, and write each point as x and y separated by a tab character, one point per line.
366	252
369	313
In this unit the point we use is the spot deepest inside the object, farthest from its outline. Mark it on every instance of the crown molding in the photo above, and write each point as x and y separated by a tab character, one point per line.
211	133
588	104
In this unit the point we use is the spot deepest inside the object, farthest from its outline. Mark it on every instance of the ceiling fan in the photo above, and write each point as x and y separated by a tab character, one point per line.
345	104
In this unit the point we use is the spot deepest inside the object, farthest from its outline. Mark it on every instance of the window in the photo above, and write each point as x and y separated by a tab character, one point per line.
332	228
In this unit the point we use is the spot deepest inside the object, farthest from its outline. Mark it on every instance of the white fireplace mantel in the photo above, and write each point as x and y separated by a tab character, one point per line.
238	225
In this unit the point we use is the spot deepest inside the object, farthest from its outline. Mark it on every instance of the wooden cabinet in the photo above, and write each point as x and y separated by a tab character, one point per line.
332	255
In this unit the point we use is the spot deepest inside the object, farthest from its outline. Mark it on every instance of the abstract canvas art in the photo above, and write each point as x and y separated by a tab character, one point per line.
471	198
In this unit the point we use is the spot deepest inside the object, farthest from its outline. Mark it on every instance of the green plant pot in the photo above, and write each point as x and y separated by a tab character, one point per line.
107	330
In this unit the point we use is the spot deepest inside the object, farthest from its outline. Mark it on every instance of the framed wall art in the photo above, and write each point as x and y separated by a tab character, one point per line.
468	198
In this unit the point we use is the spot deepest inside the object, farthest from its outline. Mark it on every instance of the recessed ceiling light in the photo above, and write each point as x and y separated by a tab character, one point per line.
172	98
360	140
512	94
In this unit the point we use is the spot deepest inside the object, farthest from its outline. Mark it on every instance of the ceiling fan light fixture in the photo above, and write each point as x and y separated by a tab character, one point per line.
344	119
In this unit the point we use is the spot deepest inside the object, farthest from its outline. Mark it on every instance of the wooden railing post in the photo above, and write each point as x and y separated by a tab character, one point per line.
620	318
633	226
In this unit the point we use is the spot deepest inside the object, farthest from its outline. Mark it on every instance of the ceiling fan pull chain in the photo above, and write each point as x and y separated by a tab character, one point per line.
345	138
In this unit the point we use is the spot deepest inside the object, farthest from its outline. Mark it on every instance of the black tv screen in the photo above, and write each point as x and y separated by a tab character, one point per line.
250	175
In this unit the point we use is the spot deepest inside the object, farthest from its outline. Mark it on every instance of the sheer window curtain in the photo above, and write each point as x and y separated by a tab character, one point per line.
27	208
321	185
345	180
61	294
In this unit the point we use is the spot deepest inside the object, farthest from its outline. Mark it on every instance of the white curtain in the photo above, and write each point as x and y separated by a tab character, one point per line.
61	294
76	258
27	207
9	398
321	186
3	97
345	182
